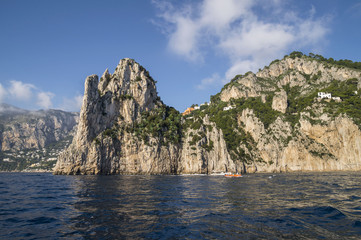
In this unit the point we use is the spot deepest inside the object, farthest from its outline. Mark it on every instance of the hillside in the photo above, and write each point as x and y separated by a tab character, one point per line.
33	139
301	113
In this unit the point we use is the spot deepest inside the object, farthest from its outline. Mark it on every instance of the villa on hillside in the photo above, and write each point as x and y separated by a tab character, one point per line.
188	111
322	95
196	107
228	108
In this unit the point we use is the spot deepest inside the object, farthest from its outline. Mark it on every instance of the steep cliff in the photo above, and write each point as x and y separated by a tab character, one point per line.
23	129
275	122
32	137
289	127
107	141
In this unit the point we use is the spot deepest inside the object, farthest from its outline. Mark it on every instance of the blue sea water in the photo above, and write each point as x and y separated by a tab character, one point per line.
256	206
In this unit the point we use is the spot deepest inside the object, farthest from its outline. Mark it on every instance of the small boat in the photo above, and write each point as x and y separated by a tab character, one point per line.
232	175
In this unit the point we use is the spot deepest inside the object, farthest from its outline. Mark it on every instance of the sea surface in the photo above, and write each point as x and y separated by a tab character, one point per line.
256	206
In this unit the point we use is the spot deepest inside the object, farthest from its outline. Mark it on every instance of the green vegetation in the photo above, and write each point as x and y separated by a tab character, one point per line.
296	104
342	62
111	132
126	97
195	139
351	102
227	121
262	110
296	54
163	123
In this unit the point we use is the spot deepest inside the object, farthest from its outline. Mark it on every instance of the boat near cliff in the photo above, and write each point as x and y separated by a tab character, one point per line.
233	175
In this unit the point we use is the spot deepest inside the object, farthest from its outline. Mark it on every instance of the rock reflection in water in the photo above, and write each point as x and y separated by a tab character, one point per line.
257	206
145	206
283	206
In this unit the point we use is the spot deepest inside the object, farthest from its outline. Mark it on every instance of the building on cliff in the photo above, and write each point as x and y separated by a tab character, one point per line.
324	95
188	111
228	108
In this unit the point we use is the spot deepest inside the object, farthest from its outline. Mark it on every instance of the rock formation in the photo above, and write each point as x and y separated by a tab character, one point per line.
277	124
21	129
279	101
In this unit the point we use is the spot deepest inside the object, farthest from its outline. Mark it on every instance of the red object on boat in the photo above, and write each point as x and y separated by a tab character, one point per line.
233	175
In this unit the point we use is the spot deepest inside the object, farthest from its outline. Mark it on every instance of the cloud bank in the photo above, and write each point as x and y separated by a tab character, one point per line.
29	96
249	33
21	91
44	99
25	93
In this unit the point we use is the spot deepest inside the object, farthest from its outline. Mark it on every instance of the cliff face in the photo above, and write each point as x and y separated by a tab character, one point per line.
208	154
276	124
293	129
106	142
23	129
314	147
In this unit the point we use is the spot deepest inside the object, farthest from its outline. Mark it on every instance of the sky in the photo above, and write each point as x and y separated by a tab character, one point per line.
191	48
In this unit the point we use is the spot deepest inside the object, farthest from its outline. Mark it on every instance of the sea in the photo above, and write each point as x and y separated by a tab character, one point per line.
255	206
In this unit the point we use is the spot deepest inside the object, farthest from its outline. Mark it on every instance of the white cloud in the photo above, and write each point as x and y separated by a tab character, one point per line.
25	94
44	99
3	93
206	82
236	30
237	68
21	91
183	41
218	15
72	104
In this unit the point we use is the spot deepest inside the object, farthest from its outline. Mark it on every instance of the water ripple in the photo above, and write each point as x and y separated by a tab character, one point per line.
259	206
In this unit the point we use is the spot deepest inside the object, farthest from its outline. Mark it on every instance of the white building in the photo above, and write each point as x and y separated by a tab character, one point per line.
324	95
228	108
196	107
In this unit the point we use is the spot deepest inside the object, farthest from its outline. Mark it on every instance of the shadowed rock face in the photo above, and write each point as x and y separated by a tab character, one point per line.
116	131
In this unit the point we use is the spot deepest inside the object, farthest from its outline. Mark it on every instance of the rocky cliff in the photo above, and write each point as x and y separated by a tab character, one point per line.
276	122
32	139
22	129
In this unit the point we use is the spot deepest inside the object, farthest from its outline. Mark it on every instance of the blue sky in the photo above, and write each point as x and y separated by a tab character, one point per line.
192	48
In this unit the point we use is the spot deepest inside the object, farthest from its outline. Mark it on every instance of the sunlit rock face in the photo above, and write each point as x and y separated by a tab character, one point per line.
279	125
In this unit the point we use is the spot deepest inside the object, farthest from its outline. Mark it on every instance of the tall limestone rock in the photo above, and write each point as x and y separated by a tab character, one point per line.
111	138
113	102
279	101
